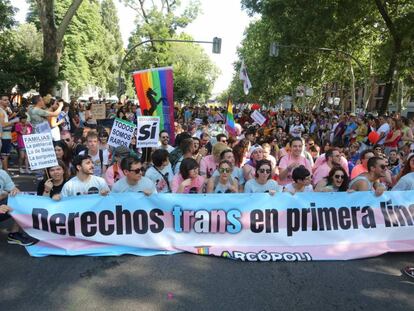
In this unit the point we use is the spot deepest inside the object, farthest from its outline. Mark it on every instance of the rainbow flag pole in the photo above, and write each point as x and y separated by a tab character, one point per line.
155	92
230	123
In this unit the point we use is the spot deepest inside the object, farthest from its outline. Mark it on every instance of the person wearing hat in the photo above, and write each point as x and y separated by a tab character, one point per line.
114	172
249	169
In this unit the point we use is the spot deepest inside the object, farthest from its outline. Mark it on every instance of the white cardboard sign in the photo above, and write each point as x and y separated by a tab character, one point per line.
258	117
148	131
121	133
40	150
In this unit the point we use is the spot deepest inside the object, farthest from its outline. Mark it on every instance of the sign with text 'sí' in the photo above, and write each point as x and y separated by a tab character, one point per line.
147	131
121	133
40	150
258	117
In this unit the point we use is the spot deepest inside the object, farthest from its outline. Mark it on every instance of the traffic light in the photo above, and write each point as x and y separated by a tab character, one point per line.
216	45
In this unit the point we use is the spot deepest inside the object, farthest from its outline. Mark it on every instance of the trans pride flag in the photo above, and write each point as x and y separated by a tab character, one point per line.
230	124
155	92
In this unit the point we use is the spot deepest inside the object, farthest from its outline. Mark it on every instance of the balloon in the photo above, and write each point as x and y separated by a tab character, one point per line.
255	107
373	137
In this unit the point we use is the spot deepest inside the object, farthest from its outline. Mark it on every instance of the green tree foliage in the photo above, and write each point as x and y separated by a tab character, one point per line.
6	15
20	58
92	45
194	73
354	27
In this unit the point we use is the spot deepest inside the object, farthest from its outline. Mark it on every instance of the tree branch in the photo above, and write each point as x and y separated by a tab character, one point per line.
66	19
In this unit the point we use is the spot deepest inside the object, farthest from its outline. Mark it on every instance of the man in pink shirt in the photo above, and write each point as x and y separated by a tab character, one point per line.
363	166
292	160
333	158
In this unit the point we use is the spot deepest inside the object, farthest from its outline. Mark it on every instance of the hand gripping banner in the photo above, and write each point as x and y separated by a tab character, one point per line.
155	92
247	227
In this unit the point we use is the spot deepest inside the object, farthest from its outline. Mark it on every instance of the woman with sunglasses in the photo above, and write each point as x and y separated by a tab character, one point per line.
302	179
336	181
188	179
223	183
263	181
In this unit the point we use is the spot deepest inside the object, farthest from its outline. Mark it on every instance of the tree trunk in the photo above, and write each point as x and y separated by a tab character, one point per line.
353	99
396	49
52	41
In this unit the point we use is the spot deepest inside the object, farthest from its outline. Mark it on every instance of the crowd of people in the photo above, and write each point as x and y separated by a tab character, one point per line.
292	152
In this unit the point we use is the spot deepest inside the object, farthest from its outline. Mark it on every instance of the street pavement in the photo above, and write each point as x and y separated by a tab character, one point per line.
191	282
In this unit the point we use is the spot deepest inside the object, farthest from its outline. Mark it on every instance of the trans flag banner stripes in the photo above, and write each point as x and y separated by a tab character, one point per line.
247	227
155	92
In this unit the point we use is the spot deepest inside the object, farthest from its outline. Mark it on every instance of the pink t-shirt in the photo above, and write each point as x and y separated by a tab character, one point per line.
109	175
196	183
358	170
288	160
321	160
321	172
207	166
19	128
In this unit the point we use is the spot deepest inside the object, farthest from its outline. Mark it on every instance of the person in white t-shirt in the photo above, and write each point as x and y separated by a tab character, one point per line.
100	158
133	180
164	140
383	130
302	179
84	182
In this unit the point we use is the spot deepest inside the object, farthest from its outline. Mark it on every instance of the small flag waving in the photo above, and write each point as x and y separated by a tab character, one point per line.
155	94
245	78
230	124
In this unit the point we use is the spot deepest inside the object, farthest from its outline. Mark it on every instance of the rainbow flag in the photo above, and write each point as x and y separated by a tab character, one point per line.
230	124
155	92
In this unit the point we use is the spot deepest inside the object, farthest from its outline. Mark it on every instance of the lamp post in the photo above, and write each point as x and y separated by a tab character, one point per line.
216	50
274	51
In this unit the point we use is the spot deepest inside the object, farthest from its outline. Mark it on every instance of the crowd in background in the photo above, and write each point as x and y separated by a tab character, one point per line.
291	152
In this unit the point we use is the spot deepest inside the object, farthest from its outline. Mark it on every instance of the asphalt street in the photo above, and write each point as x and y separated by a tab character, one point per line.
191	282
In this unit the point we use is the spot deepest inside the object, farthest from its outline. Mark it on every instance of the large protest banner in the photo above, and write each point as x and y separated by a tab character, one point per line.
40	150
248	227
155	92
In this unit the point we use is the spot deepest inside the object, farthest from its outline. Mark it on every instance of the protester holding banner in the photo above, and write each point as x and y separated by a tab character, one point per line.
237	172
160	171
262	182
133	180
53	182
336	181
302	181
369	181
224	183
85	182
188	179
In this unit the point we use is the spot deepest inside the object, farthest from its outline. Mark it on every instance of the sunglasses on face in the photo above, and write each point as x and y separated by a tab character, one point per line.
383	166
224	170
137	171
267	171
339	176
165	137
67	139
223	141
